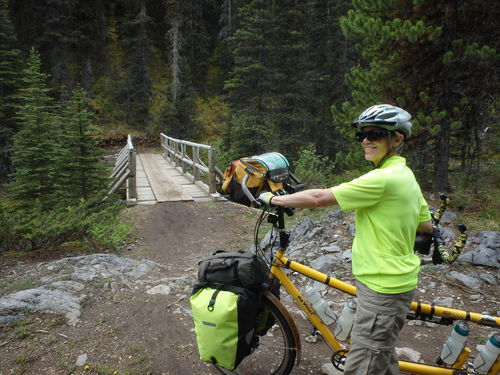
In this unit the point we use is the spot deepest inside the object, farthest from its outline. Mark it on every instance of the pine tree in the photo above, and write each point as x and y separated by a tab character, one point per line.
79	164
10	64
286	56
188	51
137	82
431	60
37	142
249	84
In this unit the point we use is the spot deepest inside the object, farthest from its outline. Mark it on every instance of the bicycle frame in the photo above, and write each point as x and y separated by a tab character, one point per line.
280	262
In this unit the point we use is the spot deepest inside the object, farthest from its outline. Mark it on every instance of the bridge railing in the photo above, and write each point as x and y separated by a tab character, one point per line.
194	160
125	171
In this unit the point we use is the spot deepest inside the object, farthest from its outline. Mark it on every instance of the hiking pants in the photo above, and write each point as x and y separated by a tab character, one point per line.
378	320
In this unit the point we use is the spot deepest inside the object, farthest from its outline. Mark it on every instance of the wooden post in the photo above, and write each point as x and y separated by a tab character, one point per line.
211	171
176	154
132	175
183	154
196	161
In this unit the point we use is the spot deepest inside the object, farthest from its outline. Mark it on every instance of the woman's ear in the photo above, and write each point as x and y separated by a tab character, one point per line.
398	139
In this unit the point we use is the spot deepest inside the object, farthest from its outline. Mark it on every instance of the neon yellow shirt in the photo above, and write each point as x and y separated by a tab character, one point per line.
389	206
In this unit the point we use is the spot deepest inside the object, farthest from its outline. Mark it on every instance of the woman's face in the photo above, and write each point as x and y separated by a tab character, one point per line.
376	150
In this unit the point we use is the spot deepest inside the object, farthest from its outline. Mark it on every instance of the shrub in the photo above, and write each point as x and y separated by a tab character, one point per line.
312	169
99	225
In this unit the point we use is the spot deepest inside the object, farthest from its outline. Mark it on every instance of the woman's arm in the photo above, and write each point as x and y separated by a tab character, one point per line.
306	199
425	227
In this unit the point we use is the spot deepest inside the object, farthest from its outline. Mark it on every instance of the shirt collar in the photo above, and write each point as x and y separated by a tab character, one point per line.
393	161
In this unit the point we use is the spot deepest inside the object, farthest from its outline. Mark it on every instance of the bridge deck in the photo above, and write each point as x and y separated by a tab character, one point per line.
160	181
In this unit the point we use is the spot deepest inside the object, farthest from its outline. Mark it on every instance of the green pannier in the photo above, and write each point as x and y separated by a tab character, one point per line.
224	322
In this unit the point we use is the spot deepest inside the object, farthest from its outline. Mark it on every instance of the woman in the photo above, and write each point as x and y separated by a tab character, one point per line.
390	209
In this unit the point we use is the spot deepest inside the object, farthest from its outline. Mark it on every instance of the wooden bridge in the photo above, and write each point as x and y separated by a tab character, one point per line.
180	171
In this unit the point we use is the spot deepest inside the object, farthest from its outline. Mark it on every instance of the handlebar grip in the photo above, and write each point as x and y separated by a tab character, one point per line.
257	203
298	187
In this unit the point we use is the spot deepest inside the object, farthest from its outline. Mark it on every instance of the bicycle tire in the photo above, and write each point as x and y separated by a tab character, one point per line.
275	351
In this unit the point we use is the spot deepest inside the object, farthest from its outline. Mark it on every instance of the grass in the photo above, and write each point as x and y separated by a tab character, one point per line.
3	287
476	203
6	287
19	358
22	285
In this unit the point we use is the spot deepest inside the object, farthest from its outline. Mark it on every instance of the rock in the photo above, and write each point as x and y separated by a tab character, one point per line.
481	256
347	254
314	232
448	217
333	248
415	323
271	238
59	295
326	263
410	354
468	281
476	298
7	319
300	249
438	268
101	266
489	239
328	369
312	339
43	300
447	234
81	360
159	289
335	215
297	232
67	285
444	301
486	253
489	279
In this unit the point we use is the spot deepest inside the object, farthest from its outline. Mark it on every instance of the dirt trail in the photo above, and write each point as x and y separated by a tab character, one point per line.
127	330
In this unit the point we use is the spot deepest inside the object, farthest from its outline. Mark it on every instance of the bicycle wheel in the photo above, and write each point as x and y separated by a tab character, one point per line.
274	352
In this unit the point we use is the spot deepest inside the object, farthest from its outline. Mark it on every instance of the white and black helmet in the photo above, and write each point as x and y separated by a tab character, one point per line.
387	117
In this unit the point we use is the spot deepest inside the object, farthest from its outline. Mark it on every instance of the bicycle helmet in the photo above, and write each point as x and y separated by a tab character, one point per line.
387	117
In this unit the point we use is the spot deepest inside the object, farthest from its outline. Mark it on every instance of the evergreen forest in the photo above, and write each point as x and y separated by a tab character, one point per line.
244	76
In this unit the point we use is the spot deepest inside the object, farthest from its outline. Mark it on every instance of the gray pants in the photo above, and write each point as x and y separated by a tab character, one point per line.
379	318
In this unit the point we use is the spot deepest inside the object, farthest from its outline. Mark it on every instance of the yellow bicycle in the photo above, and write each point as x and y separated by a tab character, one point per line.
278	348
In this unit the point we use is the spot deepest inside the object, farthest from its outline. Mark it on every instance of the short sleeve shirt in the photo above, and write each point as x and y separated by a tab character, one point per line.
389	206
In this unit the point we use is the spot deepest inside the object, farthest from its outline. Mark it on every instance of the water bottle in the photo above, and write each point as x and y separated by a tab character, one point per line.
320	306
346	320
455	344
488	354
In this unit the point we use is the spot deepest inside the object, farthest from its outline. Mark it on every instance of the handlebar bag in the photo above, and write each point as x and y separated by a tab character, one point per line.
239	269
264	172
224	322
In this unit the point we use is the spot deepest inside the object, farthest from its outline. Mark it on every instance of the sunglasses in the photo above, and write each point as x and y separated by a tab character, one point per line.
371	135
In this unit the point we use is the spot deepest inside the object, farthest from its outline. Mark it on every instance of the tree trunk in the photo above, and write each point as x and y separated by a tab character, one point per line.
175	35
441	158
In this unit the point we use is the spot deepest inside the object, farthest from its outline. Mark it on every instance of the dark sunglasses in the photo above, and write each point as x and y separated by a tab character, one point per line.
372	135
